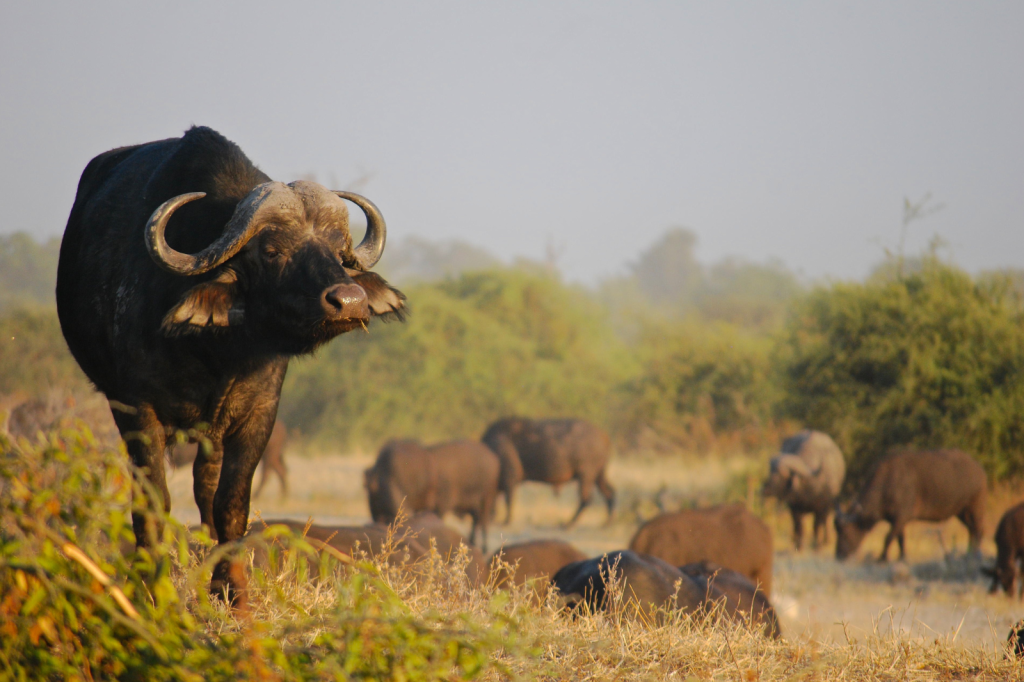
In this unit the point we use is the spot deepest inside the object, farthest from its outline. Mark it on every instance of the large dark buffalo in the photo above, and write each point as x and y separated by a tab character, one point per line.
807	475
741	597
553	451
182	454
915	486
648	584
729	535
187	279
460	477
1010	547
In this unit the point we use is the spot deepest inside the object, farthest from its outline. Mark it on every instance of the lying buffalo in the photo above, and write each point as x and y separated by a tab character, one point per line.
741	597
1010	547
532	561
349	540
915	486
648	584
182	454
553	451
807	475
728	535
428	529
459	477
187	279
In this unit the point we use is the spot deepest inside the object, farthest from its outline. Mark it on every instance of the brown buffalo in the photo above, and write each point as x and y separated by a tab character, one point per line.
349	540
1010	545
427	528
553	451
533	560
459	477
728	535
915	485
742	598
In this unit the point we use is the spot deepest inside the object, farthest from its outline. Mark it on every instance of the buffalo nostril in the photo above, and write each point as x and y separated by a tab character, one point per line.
346	301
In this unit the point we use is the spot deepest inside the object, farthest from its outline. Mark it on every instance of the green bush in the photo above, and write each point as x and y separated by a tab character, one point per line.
73	606
474	348
699	379
931	359
33	355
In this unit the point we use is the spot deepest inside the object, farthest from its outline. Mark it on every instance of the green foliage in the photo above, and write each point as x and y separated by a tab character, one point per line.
28	270
33	355
74	607
475	348
698	380
931	359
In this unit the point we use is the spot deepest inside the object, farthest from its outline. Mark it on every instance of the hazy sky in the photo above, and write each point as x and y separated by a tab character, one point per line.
790	130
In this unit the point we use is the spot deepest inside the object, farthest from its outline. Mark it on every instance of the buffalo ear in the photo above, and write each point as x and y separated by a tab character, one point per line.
384	300
210	304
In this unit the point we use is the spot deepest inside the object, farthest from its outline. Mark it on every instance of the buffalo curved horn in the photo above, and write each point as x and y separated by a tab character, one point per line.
794	464
240	229
371	248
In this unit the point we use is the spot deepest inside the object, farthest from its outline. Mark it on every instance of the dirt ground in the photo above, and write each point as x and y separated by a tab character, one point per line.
937	594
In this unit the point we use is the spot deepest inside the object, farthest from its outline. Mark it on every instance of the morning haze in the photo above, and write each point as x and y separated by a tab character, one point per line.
580	129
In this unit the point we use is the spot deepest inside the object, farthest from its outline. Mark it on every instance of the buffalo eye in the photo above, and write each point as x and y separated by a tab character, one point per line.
271	252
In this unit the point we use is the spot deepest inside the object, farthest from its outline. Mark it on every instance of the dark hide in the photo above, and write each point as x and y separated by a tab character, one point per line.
740	598
460	477
174	351
553	451
183	454
915	486
728	535
649	585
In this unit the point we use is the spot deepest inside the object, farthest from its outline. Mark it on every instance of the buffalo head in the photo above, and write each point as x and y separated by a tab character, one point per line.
284	266
788	474
851	527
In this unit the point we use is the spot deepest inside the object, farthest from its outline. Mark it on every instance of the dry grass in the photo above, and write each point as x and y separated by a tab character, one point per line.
930	619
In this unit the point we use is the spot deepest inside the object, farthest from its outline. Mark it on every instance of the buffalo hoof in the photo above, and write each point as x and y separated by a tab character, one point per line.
231	584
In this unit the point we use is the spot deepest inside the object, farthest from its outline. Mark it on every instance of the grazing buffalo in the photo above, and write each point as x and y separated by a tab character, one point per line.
459	477
807	475
1010	546
532	561
553	451
741	597
348	540
187	280
915	486
648	584
728	535
182	454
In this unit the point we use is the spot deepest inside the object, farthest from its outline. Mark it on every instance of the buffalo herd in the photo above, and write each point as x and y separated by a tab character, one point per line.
187	279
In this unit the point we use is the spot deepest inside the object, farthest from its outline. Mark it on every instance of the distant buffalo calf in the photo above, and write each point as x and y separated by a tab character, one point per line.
553	451
459	477
729	535
1010	544
534	560
648	584
807	475
742	599
909	486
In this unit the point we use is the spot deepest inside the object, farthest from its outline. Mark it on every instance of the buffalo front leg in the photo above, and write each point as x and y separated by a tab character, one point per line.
146	440
242	452
820	530
798	528
205	479
586	492
608	492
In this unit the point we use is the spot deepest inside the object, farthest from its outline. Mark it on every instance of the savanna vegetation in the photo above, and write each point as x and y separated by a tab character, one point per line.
674	355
